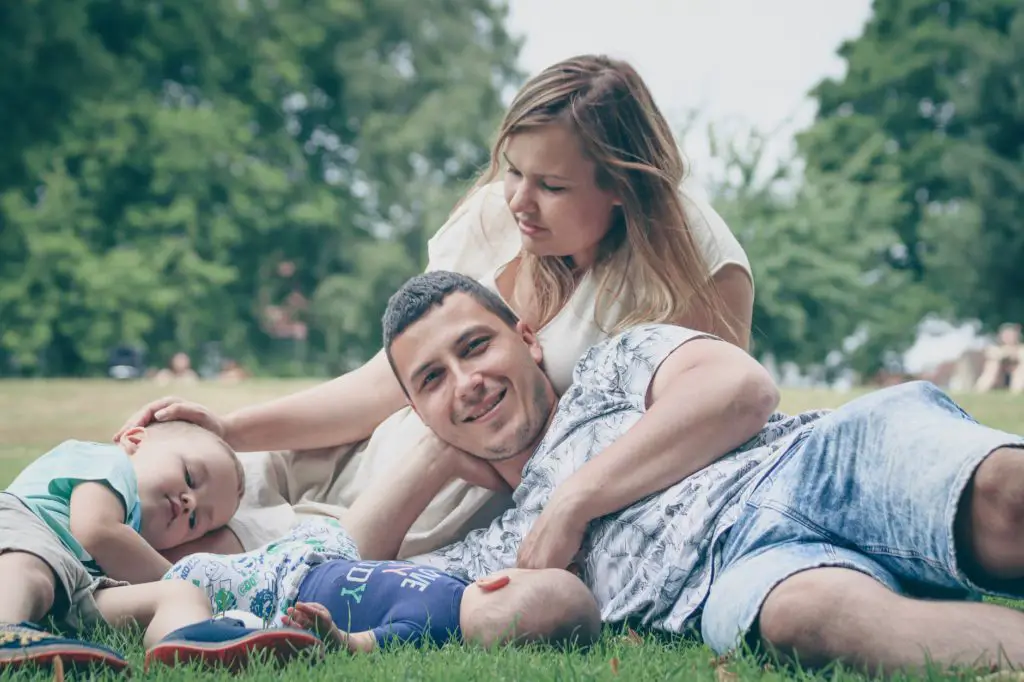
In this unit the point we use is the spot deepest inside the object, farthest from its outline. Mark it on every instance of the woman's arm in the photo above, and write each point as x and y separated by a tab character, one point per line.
737	292
343	410
706	399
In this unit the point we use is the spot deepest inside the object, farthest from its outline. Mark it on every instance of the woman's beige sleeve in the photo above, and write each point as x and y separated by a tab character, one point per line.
476	237
715	240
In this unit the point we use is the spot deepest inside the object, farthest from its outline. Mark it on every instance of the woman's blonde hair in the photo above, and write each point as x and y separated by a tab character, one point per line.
649	248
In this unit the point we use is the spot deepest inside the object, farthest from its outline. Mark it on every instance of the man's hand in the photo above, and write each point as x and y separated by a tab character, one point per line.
556	536
171	408
465	466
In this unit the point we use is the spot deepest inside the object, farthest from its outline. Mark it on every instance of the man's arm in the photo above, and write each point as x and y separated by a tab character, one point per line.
707	398
385	511
97	522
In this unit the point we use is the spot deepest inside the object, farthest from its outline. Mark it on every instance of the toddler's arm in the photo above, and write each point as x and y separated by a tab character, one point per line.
97	522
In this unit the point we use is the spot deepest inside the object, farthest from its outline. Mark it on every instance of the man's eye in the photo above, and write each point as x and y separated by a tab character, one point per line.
430	378
476	345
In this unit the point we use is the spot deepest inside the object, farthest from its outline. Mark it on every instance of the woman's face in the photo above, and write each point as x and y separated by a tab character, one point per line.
551	188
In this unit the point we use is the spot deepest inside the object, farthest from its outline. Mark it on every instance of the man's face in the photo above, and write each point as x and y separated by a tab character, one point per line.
475	381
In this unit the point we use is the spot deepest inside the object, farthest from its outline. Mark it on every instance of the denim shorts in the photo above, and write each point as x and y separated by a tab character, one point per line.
875	487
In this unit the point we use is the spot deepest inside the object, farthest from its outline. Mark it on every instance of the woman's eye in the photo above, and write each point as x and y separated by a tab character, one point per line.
550	188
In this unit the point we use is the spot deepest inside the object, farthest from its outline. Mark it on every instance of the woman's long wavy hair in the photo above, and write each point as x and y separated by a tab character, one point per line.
649	250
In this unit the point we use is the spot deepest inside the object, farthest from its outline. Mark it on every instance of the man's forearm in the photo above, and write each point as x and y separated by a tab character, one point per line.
124	555
383	513
692	425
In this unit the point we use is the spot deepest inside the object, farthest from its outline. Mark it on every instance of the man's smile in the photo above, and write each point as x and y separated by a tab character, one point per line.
486	407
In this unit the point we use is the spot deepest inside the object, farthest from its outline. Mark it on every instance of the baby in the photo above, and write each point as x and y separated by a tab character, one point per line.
86	519
314	579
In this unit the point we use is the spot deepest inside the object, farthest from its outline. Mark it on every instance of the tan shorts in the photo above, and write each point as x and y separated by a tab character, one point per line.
74	602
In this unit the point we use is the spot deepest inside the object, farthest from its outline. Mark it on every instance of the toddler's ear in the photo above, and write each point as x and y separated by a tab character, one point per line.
132	438
493	583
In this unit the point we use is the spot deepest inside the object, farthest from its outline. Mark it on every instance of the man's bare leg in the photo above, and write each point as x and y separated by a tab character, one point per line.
834	614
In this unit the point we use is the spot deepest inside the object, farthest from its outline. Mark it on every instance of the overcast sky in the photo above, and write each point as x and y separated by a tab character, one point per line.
740	63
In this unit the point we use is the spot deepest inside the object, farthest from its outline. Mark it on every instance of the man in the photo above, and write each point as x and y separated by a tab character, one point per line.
818	535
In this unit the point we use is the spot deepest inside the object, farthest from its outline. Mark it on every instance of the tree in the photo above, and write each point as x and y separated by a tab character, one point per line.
200	145
817	243
940	83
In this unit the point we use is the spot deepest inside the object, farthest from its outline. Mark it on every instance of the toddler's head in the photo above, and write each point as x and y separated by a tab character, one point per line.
520	605
190	481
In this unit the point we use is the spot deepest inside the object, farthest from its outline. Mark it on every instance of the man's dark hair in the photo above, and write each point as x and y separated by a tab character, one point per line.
417	296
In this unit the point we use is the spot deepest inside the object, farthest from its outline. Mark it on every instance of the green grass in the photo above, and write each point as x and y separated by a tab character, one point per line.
35	415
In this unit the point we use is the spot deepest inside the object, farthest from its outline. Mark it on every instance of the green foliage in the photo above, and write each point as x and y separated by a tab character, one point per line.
181	152
818	244
939	83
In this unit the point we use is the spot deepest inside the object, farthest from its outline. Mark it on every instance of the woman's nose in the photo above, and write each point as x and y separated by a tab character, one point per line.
522	198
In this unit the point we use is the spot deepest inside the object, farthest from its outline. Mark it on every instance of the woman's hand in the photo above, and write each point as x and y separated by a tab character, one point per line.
171	408
556	537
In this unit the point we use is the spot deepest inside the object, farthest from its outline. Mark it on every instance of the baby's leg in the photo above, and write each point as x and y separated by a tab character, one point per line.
265	581
29	588
161	607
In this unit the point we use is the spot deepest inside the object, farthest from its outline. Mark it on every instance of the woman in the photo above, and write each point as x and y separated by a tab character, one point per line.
586	234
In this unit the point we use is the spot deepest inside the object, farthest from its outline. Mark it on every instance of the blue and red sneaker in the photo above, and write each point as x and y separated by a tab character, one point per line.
25	644
226	642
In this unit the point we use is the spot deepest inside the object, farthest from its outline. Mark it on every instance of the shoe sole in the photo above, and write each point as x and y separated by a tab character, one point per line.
74	657
234	655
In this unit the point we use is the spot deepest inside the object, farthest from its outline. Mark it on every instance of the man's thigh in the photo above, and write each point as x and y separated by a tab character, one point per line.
885	474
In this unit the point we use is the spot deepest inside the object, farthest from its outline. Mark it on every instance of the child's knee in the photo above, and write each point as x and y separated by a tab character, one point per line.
31	575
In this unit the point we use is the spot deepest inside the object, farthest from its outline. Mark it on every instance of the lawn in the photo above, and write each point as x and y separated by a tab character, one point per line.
35	415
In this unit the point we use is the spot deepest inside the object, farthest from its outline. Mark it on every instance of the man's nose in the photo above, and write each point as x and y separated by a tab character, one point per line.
468	383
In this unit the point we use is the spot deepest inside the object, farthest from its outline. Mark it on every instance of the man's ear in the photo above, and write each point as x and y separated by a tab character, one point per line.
530	339
132	438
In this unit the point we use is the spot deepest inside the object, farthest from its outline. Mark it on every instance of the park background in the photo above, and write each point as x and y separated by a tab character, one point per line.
251	179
